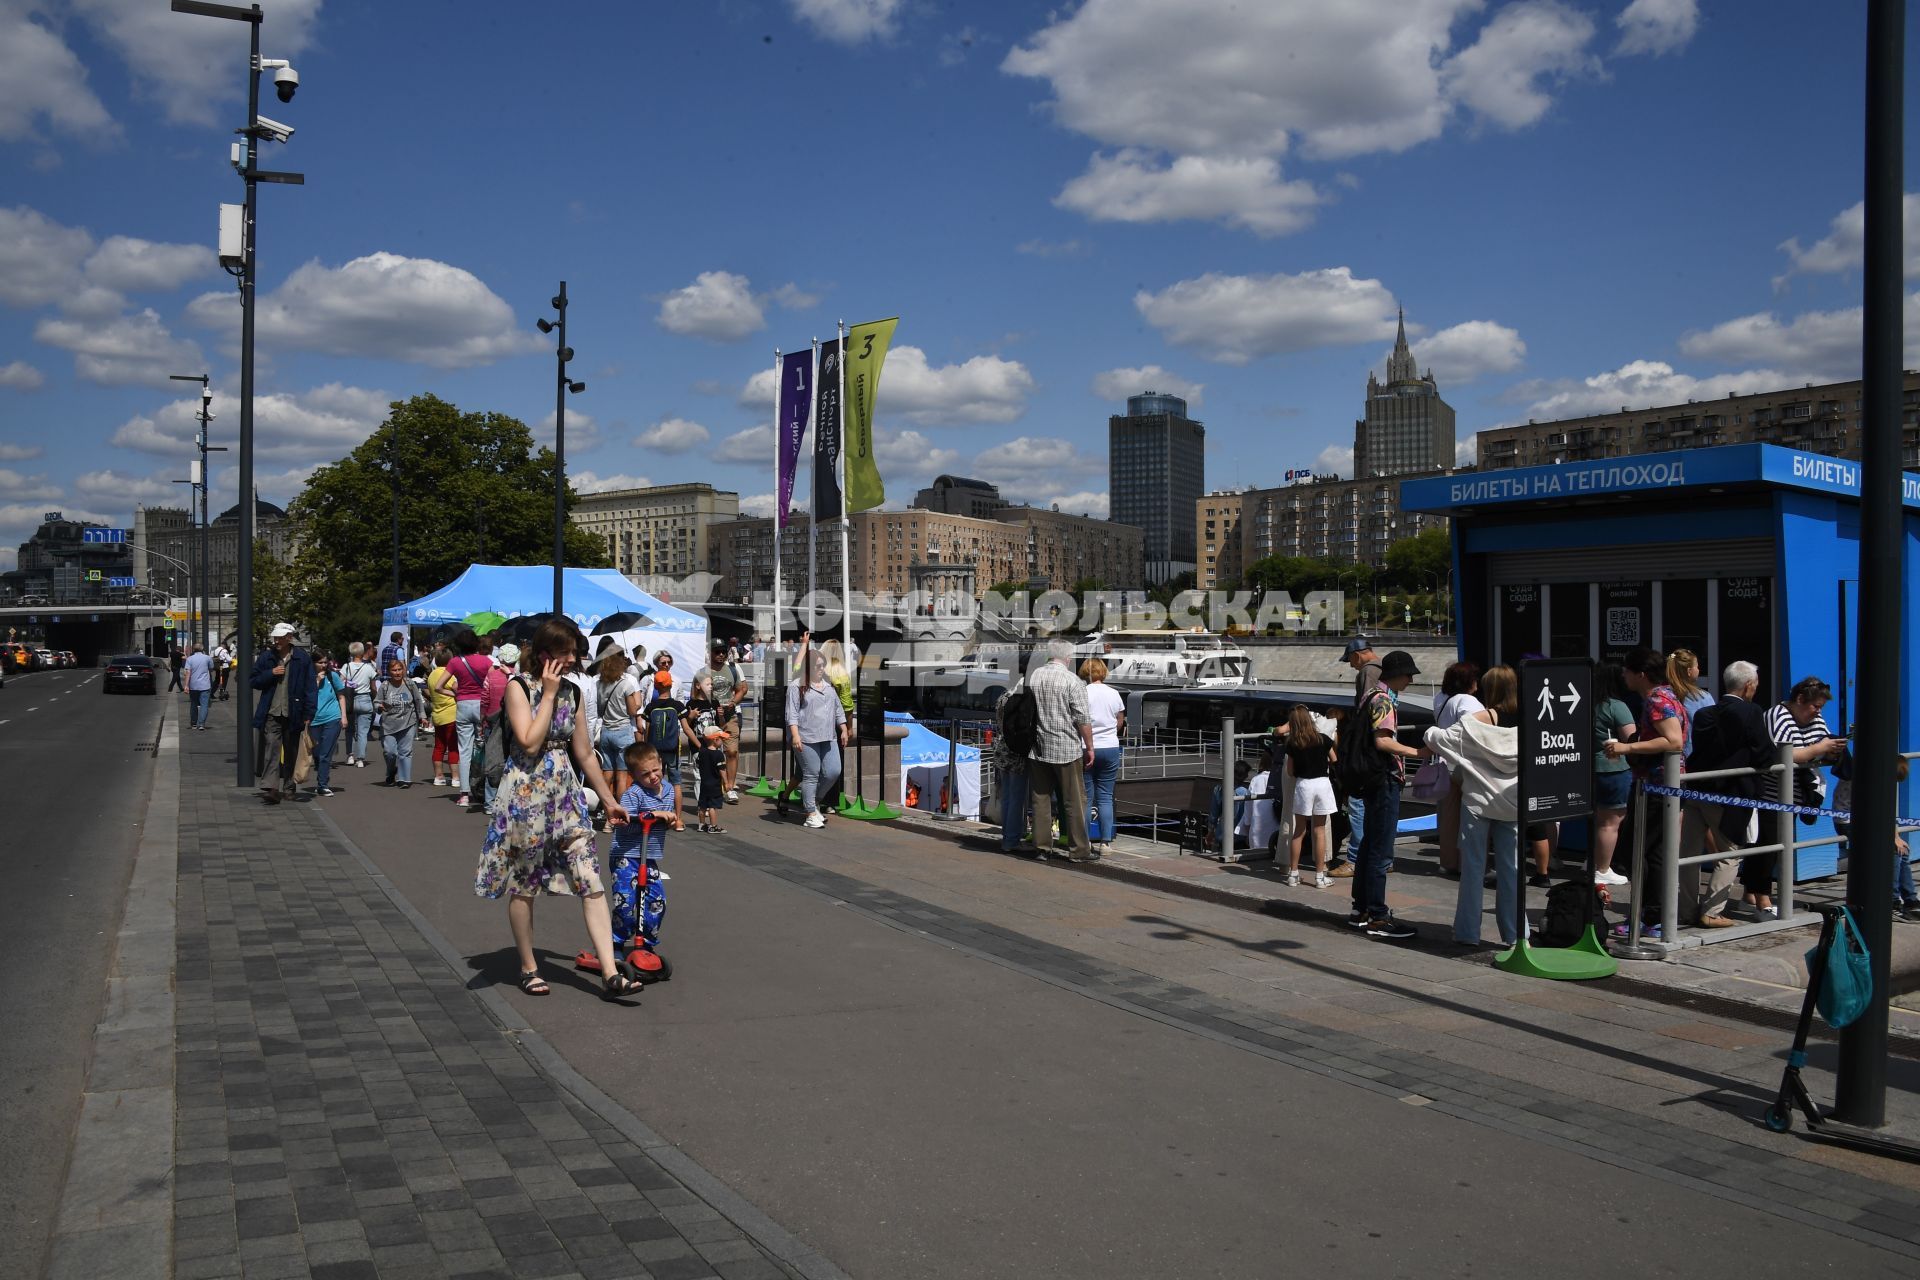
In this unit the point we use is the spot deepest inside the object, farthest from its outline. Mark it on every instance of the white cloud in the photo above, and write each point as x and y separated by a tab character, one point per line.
132	350
1641	384
1843	248
1499	76
135	266
21	376
1083	503
794	298
1233	319
1053	248
1037	468
671	435
1117	384
1818	345
1335	459
982	389
1467	350
382	306
42	80
849	21
593	482
1130	186
39	259
583	431
752	446
279	487
1218	77
764	504
909	460
318	425
188	64
1465	452
109	487
1656	27
20	452
718	306
16	486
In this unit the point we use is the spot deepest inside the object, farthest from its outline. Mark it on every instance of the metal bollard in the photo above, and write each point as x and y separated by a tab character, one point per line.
1783	792
1227	752
1670	839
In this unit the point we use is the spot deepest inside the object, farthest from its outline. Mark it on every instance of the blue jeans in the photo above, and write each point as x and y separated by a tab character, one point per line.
1375	854
1100	779
1903	890
1356	832
466	731
819	770
1013	807
399	749
325	737
362	723
200	698
1476	834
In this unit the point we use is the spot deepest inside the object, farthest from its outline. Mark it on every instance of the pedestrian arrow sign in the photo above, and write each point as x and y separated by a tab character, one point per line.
1556	783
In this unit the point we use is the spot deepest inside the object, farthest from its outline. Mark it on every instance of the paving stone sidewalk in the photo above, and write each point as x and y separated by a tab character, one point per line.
348	1107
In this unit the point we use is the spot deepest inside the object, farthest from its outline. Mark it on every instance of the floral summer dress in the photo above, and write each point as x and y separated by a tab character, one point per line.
539	839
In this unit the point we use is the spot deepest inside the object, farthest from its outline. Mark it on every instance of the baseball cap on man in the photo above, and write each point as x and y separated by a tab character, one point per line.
280	629
1359	644
1398	663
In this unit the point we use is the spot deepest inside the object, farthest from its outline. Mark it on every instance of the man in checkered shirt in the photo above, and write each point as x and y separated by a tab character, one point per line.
1062	751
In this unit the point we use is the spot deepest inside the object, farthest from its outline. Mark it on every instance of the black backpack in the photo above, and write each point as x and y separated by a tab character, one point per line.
1020	721
1571	906
663	727
1362	766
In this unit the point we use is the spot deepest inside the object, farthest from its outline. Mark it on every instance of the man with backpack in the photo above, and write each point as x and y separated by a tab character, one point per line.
1373	765
661	726
1365	664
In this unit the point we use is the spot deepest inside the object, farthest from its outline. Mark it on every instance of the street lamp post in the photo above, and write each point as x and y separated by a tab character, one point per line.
200	483
560	389
285	81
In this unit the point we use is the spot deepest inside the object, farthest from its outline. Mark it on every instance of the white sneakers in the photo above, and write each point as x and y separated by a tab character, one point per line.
1609	877
815	821
1293	879
1322	880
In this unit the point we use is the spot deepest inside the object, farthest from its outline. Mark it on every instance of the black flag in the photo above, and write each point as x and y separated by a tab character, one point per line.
826	434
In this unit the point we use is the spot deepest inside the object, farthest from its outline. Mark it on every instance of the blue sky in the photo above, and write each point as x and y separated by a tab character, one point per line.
1580	205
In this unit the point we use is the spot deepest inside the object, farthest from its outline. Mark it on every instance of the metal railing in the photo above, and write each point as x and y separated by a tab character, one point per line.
1673	824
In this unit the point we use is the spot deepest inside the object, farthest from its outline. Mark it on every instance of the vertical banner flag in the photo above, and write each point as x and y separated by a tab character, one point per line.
866	352
796	399
826	434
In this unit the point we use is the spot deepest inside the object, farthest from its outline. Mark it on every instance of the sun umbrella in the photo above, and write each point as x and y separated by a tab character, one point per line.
624	621
484	621
519	630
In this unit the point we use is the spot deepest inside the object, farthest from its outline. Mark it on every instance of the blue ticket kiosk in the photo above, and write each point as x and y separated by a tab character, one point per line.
1745	551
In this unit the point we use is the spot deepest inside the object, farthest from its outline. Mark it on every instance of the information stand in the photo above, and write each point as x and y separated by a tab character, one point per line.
1556	783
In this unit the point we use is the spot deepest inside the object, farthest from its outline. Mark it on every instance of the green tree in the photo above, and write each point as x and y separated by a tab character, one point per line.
1415	562
471	487
275	597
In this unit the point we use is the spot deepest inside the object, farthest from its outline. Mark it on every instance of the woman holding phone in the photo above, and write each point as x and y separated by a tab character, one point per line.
539	839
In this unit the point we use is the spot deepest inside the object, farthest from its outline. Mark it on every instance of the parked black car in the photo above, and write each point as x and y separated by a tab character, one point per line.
131	671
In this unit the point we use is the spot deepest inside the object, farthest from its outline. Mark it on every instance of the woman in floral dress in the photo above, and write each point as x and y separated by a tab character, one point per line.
539	839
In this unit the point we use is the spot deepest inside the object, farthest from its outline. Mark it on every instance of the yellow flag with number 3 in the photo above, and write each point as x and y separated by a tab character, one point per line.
866	352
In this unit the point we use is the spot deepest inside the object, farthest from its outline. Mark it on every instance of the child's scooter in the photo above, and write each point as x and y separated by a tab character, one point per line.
642	962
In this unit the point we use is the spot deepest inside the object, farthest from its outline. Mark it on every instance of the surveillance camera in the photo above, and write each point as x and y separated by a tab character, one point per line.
285	81
274	129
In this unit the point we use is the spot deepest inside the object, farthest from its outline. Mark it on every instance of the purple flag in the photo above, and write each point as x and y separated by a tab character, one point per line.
796	404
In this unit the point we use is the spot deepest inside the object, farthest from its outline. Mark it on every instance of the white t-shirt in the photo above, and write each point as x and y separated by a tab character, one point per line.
613	701
589	701
1453	708
360	677
1104	708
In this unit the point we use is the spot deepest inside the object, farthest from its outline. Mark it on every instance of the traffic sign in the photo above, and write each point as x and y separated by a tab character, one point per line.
103	535
123	582
1556	739
93	575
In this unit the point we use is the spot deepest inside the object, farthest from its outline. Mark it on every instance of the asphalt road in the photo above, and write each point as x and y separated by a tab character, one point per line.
76	794
910	1108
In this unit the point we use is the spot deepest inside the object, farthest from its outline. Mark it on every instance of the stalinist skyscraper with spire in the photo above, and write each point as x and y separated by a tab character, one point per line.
1408	428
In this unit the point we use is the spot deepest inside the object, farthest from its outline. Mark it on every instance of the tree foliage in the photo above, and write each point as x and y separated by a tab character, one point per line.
472	488
1415	562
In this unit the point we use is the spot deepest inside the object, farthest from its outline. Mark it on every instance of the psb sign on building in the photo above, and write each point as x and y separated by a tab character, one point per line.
1556	739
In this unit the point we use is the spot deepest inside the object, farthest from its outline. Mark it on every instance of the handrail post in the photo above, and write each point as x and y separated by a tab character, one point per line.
1228	748
1783	792
1670	840
1639	865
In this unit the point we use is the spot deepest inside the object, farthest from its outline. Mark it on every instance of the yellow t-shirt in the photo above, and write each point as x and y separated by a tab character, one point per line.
440	696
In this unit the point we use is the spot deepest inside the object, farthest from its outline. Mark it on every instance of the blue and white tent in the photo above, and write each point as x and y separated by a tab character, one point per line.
589	596
923	761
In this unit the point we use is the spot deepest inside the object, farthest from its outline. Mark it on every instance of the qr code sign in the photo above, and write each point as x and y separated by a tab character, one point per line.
1623	626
